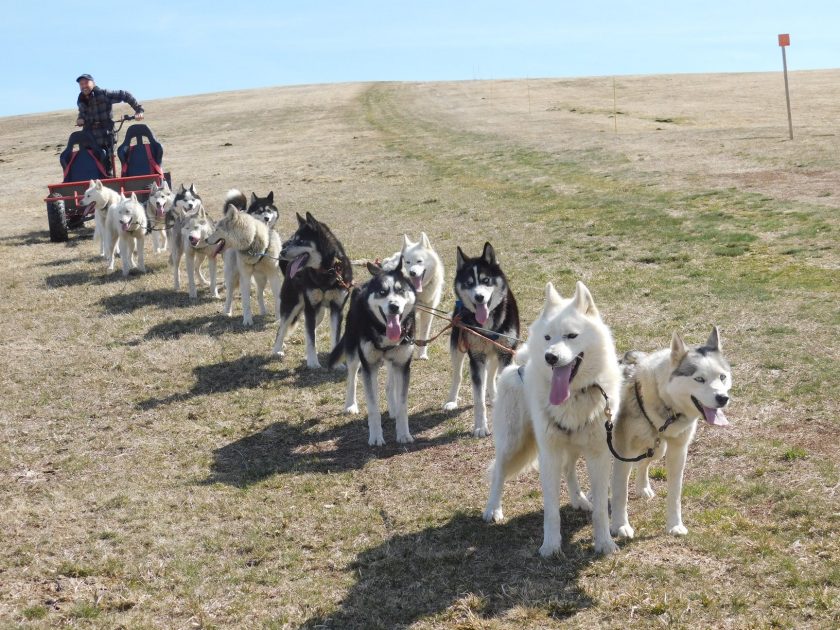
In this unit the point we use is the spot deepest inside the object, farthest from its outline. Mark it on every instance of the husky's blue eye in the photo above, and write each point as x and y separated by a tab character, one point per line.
486	281
383	292
699	379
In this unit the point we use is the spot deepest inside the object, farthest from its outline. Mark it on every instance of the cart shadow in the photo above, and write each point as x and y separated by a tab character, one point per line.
310	446
465	565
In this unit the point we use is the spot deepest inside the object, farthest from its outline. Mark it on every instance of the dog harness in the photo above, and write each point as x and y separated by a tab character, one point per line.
608	425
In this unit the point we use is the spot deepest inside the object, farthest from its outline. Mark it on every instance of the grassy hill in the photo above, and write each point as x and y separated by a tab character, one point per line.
159	469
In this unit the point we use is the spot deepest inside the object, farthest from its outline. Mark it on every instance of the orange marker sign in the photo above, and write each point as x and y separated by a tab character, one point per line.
784	39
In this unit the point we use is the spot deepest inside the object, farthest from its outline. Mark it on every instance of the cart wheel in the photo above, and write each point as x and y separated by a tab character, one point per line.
57	220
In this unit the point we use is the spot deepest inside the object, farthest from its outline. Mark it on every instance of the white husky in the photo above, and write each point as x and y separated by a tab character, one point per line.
102	198
554	409
664	395
157	205
189	238
126	225
425	270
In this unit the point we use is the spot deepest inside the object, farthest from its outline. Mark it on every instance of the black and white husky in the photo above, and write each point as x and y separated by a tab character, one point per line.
664	396
380	329
318	277
263	208
485	304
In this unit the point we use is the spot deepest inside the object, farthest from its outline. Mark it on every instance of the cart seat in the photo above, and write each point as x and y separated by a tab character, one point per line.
144	157
83	159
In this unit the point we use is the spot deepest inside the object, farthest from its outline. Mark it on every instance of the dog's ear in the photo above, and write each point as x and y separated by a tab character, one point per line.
406	243
460	259
253	198
374	269
193	190
166	186
301	220
181	189
424	240
230	209
134	197
153	188
311	220
583	301
552	298
270	197
678	350
489	254
713	342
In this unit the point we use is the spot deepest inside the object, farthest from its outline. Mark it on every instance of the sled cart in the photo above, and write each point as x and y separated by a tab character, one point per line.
141	161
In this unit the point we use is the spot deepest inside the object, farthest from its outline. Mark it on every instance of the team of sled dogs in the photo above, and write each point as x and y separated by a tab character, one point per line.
560	396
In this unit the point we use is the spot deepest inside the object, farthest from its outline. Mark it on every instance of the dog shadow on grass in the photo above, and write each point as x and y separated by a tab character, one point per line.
316	446
164	299
466	571
245	372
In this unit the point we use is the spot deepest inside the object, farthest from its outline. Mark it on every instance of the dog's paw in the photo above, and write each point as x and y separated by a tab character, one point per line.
450	405
678	530
493	515
405	439
551	549
423	356
580	502
352	409
481	432
376	440
278	354
606	547
625	531
646	493
313	365
247	321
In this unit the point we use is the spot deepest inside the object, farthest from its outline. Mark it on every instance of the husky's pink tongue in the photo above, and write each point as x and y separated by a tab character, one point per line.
715	417
417	281
393	330
482	313
160	212
125	227
297	263
560	379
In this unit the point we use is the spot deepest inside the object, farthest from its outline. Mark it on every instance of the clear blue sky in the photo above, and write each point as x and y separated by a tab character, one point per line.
157	49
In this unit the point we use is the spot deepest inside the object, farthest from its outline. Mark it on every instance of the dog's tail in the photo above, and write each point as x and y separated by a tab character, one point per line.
630	362
337	353
236	198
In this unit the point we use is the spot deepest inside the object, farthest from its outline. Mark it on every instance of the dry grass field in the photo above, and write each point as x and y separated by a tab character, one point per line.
159	470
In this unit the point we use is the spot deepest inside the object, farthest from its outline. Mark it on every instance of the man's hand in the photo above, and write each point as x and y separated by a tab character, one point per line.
138	116
80	122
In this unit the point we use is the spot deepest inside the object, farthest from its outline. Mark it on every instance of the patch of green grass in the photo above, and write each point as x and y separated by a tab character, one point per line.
85	610
794	453
35	612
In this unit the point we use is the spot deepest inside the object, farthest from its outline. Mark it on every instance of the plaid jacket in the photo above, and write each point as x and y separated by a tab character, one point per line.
95	110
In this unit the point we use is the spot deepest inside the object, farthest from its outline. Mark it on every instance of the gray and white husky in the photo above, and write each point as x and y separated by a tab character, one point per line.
101	198
425	270
664	395
158	204
263	209
257	253
186	201
485	304
189	238
554	409
380	329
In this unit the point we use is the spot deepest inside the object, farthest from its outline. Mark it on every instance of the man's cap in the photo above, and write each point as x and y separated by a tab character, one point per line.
84	76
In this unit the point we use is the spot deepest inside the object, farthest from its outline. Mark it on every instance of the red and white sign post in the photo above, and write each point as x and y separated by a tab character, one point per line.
784	41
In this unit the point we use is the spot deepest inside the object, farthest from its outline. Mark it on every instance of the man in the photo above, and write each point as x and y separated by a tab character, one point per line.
95	112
